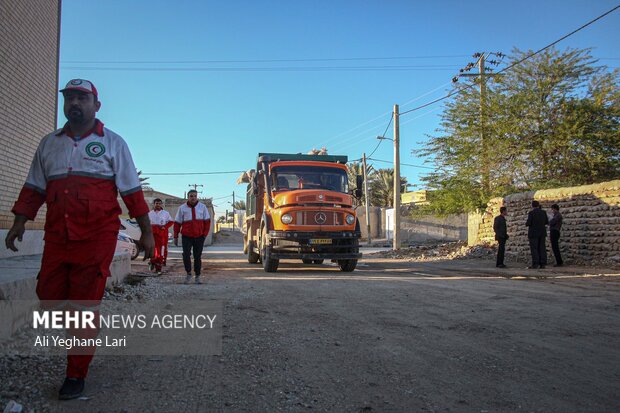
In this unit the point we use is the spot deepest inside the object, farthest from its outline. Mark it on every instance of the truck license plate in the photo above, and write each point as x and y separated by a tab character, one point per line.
320	241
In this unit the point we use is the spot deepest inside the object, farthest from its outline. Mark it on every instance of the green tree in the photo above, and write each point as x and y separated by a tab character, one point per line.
551	120
239	205
357	168
381	188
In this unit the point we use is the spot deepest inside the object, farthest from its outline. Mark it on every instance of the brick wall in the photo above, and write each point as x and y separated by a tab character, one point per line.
591	221
28	91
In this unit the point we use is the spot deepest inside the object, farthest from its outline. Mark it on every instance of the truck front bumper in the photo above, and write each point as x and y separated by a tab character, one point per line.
315	245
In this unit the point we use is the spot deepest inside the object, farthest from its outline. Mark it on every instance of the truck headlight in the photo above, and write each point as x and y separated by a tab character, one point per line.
350	219
287	219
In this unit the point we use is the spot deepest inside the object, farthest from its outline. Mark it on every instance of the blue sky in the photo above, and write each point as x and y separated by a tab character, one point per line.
203	86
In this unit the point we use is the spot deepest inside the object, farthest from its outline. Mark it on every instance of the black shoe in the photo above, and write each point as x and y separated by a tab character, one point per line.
558	265
72	388
542	267
533	267
501	266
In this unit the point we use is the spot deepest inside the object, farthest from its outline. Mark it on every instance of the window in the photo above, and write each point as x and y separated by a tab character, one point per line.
293	177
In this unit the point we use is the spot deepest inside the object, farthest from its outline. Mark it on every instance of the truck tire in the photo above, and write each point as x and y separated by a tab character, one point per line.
253	257
347	265
318	262
269	264
306	261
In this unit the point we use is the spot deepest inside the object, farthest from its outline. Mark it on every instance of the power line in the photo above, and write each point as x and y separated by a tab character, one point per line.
192	173
344	59
342	143
267	69
406	164
519	61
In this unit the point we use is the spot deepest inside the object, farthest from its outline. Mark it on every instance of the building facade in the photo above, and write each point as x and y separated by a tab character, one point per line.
29	55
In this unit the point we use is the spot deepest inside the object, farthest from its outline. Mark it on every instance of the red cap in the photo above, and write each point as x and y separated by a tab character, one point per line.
81	84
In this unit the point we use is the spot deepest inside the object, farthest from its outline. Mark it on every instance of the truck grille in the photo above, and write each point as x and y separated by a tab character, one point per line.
318	218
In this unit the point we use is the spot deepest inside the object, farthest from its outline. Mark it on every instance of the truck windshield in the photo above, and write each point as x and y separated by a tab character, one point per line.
293	177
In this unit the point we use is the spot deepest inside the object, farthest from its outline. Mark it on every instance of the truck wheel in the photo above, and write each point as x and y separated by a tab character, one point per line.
306	261
318	262
253	257
269	264
347	265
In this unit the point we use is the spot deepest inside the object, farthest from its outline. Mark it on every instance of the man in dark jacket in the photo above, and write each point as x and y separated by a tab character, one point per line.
537	222
555	225
501	236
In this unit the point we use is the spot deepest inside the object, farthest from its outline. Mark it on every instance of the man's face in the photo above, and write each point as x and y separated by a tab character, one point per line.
80	107
192	198
158	206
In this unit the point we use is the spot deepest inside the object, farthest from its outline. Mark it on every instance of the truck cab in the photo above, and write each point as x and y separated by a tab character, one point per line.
301	207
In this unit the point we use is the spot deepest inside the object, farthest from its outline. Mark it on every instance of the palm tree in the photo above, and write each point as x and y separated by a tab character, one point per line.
239	205
381	188
357	168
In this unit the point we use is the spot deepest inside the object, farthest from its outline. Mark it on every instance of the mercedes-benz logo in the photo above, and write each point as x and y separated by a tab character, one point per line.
320	218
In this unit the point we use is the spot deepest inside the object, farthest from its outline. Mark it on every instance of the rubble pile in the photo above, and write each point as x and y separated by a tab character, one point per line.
436	252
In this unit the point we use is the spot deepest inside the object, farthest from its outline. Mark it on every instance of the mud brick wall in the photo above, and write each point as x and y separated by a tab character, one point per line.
591	221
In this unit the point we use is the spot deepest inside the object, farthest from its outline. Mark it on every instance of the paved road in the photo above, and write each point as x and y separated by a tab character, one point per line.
392	336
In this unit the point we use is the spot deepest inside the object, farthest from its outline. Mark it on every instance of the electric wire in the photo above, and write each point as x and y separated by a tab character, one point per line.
519	61
405	164
343	59
191	173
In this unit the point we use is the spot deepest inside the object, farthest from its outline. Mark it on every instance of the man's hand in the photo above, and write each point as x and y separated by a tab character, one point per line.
16	231
176	242
147	242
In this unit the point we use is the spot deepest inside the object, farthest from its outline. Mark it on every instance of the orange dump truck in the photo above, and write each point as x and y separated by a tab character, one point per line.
301	207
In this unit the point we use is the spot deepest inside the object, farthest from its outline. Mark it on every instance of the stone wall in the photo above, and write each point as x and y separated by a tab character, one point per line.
591	221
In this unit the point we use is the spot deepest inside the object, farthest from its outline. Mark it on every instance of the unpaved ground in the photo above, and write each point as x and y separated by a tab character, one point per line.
392	336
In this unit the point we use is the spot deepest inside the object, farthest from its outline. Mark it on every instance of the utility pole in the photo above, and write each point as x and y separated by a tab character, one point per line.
396	244
233	207
195	186
367	201
481	76
483	142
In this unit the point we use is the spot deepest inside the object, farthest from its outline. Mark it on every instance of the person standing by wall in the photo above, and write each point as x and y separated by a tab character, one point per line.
537	222
160	222
555	225
78	172
193	222
501	236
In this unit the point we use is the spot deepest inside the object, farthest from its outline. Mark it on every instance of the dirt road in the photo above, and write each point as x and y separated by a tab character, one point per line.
391	336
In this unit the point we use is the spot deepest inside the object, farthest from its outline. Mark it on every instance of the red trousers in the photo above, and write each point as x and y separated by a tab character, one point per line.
75	273
161	246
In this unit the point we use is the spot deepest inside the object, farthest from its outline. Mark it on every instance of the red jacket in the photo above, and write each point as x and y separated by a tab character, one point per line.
192	221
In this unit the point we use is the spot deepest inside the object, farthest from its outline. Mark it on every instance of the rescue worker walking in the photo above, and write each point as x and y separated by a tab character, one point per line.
160	222
193	222
78	172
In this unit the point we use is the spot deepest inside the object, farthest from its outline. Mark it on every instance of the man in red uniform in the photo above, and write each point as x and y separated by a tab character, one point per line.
193	222
78	172
160	222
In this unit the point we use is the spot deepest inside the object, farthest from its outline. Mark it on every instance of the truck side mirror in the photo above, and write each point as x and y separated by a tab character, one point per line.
359	181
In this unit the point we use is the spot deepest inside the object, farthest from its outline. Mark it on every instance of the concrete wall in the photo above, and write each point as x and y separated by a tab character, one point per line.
431	228
591	215
376	222
18	281
29	38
